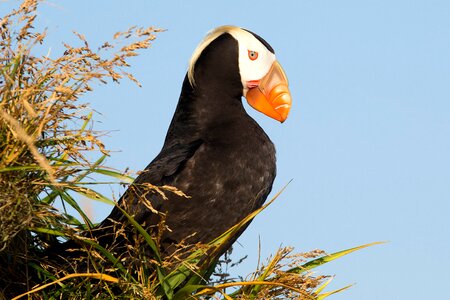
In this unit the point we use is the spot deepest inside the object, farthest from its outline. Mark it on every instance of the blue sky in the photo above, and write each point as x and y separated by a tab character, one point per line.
366	144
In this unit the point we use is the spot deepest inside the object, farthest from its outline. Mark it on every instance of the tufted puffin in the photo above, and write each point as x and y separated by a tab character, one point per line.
214	152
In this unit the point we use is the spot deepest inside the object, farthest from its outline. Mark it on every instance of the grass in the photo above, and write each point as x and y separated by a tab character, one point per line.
49	152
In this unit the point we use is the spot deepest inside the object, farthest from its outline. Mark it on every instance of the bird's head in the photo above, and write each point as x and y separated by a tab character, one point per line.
228	50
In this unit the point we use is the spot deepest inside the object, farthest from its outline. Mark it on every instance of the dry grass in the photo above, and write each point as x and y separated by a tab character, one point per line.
46	139
46	136
47	150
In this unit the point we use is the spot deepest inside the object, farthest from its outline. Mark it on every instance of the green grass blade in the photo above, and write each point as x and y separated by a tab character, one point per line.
325	295
51	197
21	168
91	194
72	202
41	271
114	174
47	231
116	262
91	168
323	286
144	233
86	122
167	288
186	291
327	258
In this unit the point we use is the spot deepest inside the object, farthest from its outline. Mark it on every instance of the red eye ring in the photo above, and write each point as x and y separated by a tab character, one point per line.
252	54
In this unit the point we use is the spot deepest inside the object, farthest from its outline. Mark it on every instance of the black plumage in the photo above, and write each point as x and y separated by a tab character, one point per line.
214	152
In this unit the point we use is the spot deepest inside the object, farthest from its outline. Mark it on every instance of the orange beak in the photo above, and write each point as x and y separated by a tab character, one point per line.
271	95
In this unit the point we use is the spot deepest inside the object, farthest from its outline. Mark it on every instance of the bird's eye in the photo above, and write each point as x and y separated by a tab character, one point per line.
252	55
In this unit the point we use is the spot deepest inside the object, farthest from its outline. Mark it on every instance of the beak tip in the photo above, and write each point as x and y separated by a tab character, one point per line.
282	119
283	112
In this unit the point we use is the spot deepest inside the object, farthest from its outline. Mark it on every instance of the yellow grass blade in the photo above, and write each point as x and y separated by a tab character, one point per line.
98	276
324	295
212	290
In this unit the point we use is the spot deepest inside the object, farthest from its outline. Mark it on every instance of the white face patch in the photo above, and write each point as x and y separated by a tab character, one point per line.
253	65
255	60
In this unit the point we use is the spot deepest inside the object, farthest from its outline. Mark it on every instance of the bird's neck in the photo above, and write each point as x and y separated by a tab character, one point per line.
208	105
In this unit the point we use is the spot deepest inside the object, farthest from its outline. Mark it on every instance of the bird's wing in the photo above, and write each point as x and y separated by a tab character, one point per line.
161	171
169	162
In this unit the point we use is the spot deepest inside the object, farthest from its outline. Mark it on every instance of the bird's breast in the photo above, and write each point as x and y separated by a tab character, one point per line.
226	180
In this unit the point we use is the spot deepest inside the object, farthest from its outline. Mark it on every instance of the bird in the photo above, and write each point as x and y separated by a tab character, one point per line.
214	152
